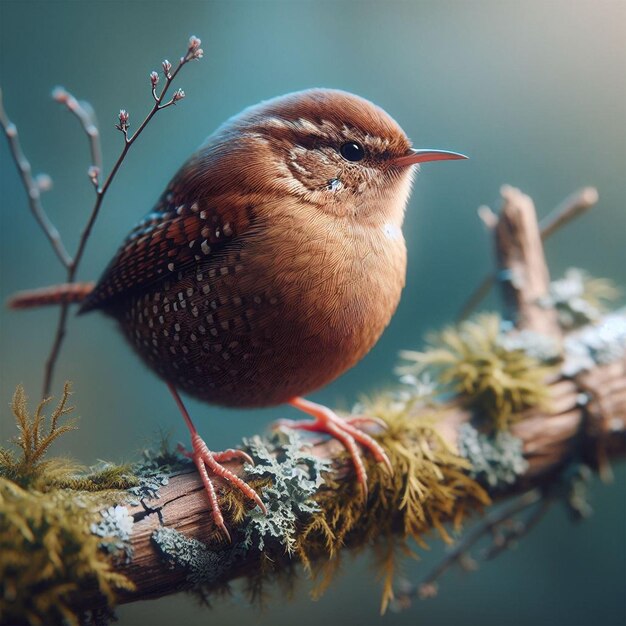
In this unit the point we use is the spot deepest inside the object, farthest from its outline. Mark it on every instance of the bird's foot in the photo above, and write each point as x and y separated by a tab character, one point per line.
345	430
207	461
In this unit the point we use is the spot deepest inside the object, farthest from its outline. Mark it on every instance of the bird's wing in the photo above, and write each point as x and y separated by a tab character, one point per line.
174	235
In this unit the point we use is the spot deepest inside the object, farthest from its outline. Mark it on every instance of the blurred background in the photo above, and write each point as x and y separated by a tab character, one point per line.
534	92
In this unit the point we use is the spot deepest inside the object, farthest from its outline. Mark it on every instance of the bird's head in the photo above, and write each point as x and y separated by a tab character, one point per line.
338	152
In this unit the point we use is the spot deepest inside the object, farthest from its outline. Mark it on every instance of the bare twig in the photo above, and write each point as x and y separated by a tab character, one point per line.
572	207
193	52
460	553
85	116
504	538
33	190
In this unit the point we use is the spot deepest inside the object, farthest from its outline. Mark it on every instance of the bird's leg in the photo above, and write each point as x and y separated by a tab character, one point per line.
206	461
345	430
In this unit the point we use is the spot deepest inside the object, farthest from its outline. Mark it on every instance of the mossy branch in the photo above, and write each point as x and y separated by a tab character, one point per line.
509	408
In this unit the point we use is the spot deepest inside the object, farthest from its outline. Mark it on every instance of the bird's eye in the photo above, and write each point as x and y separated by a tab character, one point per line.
352	151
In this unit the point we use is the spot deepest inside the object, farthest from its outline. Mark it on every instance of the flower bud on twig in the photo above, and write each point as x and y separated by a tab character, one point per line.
154	78
179	94
167	66
93	172
44	182
123	121
60	95
194	51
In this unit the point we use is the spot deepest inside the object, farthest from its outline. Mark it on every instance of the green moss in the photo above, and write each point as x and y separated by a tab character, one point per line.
496	380
429	487
49	556
32	470
48	510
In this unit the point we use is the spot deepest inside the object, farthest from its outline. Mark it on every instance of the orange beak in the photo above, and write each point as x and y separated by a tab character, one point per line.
421	156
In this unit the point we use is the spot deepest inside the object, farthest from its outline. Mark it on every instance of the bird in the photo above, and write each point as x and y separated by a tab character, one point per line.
270	265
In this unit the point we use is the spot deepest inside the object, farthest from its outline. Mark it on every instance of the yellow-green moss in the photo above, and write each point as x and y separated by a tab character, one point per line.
429	487
32	470
472	361
48	553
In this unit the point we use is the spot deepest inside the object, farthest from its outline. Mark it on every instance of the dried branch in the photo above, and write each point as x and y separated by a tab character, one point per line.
85	115
32	189
572	207
549	439
523	273
460	552
193	52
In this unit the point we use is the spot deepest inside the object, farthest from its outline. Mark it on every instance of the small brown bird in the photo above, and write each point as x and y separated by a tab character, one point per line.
270	265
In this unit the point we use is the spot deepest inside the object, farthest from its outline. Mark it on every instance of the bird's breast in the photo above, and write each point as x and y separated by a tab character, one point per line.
338	284
297	302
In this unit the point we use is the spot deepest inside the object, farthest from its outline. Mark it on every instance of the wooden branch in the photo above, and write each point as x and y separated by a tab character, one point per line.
172	544
523	272
550	439
572	207
584	418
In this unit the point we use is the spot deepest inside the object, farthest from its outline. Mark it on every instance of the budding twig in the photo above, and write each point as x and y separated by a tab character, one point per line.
33	189
490	525
86	118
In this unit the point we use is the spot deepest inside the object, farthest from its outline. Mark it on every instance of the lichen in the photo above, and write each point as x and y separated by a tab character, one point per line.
497	460
155	469
204	566
580	299
598	344
294	477
497	381
542	348
115	528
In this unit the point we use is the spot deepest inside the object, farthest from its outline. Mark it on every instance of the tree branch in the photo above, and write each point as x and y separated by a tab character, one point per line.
32	189
86	117
572	207
583	419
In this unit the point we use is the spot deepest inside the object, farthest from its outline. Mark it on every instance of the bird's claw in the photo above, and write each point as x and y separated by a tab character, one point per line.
345	430
206	460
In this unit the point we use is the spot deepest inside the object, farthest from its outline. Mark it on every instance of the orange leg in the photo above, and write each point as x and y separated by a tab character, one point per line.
206	461
345	430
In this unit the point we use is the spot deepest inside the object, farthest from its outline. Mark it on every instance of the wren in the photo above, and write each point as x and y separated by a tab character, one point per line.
270	265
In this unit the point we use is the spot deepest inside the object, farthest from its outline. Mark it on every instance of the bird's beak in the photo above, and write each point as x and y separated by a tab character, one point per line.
421	156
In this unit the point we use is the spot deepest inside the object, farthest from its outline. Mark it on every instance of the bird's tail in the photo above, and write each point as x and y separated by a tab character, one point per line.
45	296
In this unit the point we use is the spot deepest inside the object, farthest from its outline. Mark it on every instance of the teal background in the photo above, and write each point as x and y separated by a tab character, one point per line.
534	92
